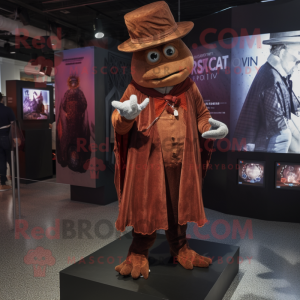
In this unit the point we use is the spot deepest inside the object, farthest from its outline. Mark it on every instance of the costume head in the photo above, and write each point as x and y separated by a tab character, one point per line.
160	57
73	81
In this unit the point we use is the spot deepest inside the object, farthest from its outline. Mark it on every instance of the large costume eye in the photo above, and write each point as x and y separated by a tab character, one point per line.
170	51
153	56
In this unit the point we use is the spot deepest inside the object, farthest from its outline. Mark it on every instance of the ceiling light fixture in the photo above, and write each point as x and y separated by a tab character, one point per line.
98	28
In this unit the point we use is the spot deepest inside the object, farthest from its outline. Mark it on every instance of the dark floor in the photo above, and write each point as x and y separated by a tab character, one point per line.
269	268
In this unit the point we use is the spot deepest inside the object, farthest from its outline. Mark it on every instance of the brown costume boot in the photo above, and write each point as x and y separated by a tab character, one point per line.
135	264
176	233
188	258
179	248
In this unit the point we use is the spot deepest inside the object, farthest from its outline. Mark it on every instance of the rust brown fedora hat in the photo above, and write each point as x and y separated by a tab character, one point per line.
152	25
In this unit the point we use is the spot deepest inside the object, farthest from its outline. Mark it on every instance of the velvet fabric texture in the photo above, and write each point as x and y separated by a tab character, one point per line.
134	265
168	71
139	176
175	234
188	258
151	25
160	99
72	123
171	131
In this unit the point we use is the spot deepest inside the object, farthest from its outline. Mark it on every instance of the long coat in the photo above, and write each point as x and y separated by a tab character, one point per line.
139	171
266	109
72	124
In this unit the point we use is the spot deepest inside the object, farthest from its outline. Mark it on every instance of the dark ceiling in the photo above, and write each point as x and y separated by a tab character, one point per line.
75	17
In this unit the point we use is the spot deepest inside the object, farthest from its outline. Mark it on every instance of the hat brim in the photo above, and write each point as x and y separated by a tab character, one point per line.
183	28
283	40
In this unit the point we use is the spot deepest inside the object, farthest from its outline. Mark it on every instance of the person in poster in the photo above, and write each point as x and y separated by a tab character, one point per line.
26	101
40	105
33	103
72	124
269	119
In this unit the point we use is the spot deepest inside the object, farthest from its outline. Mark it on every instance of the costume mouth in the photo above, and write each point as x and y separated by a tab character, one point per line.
168	75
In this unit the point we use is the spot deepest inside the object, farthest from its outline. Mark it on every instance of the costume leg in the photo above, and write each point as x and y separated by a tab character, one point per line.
176	234
136	262
141	243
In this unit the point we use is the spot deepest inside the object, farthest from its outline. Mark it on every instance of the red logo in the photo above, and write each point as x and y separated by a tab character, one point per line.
39	258
94	165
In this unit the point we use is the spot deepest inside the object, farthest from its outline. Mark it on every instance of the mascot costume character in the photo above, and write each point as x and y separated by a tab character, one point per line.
161	124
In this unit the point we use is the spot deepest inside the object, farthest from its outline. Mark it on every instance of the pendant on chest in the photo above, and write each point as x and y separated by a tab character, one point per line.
172	101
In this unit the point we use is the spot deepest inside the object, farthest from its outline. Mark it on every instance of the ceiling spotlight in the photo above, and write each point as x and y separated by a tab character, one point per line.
42	70
98	28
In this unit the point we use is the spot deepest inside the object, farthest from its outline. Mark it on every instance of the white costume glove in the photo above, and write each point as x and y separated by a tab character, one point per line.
130	109
218	130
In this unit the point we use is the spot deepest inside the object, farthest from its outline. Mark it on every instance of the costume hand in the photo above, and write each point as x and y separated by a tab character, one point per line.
218	130
136	265
130	109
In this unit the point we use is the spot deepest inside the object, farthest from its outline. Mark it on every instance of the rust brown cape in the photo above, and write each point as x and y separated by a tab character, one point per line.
139	168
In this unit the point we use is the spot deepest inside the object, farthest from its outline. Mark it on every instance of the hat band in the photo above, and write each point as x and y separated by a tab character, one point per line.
155	37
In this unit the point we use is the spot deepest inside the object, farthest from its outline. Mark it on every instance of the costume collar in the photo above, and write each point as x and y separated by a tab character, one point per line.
275	62
177	90
164	90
